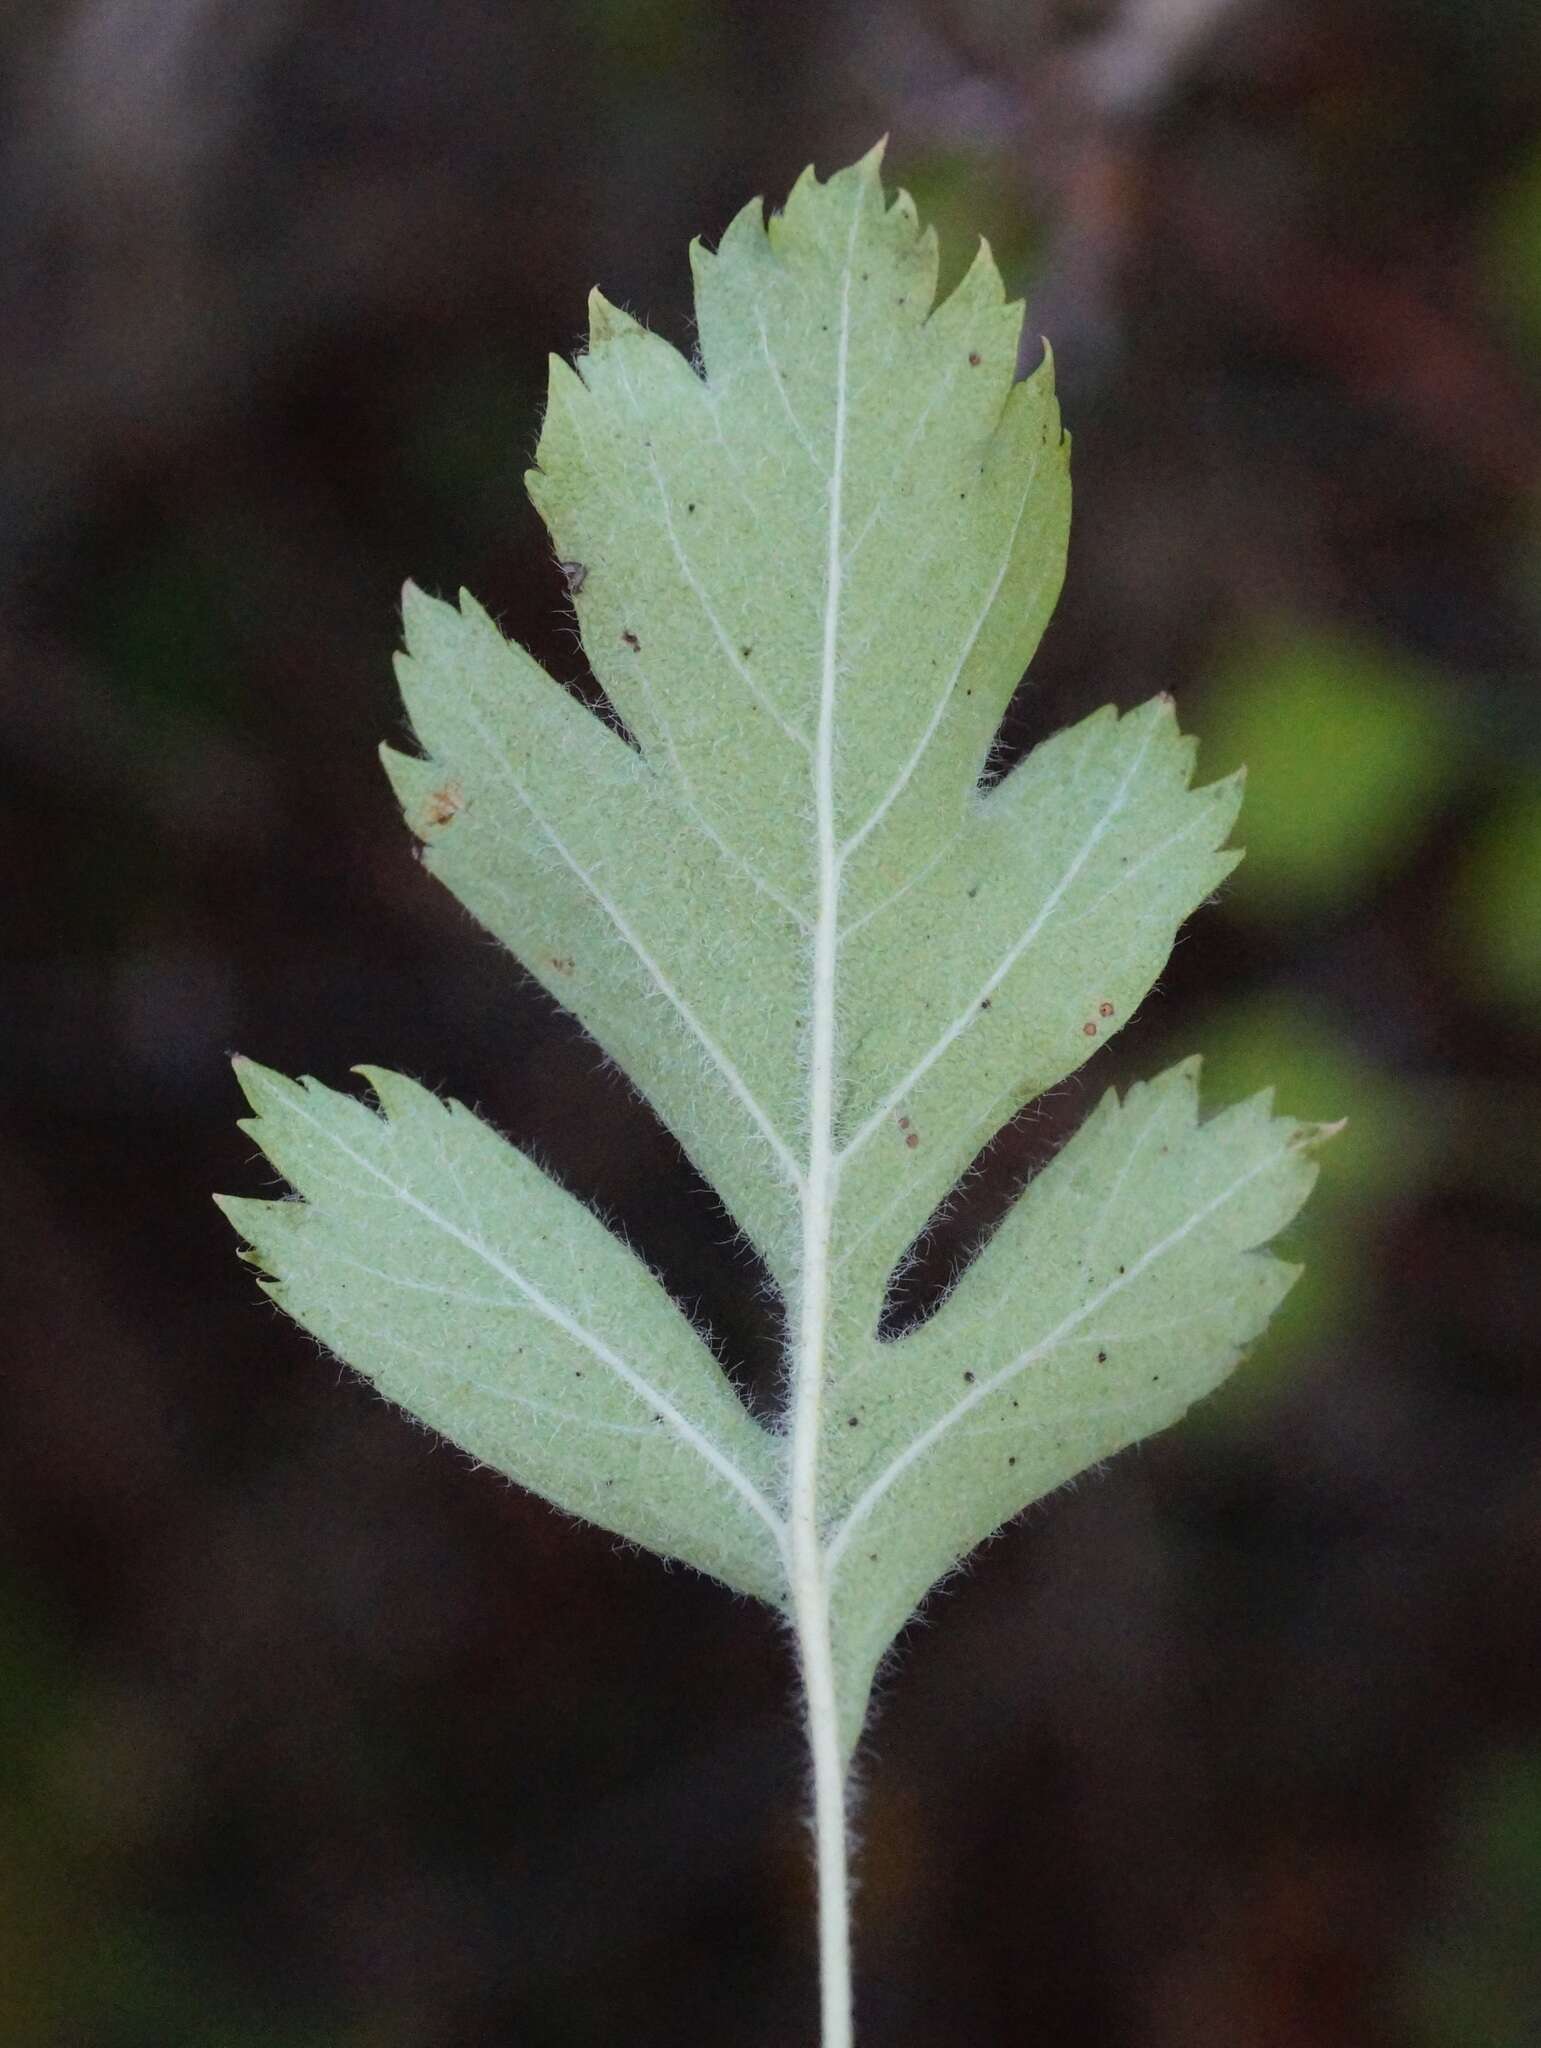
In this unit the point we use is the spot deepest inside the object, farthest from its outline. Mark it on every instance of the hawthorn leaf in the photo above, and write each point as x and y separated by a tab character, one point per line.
473	1291
784	895
1125	1284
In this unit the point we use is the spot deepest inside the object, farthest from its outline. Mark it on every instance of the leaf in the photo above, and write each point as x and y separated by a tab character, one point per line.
808	575
479	1295
1123	1285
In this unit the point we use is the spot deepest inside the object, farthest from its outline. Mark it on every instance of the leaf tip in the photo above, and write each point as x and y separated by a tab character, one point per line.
397	1096
1040	378
1186	1082
980	284
607	322
262	1086
421	616
563	384
1305	1137
748	231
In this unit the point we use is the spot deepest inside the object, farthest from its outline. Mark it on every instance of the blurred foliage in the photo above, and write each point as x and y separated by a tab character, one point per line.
1383	1157
1497	899
1476	1981
77	1934
1509	254
1350	747
162	629
473	430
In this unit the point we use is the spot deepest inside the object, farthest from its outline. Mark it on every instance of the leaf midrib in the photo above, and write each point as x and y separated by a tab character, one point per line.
822	1175
918	1446
688	1433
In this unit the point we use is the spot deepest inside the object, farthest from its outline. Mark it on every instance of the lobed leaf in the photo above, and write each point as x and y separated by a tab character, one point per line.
1124	1284
1039	924
476	1293
808	571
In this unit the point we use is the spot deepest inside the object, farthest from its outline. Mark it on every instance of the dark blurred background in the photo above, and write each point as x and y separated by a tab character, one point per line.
309	1734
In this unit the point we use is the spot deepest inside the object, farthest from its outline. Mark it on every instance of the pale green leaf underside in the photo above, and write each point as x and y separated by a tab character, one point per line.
812	571
1121	1288
481	1296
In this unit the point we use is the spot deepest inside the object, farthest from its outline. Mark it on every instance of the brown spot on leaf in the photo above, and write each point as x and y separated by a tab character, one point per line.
446	802
564	963
1104	1009
632	641
1089	1030
912	1139
904	1123
974	358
